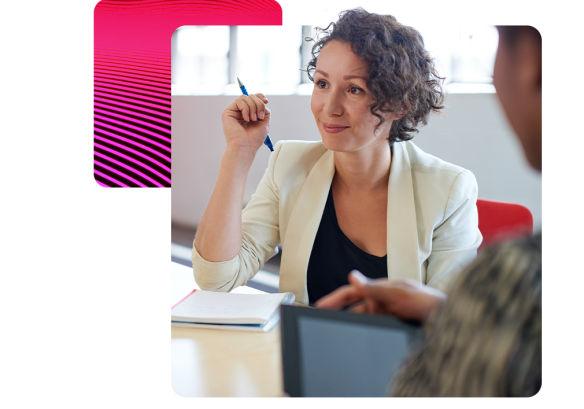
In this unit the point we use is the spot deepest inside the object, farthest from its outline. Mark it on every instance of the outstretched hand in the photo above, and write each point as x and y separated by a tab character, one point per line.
405	299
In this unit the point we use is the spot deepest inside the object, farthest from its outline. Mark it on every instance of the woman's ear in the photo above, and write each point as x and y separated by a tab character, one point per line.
395	113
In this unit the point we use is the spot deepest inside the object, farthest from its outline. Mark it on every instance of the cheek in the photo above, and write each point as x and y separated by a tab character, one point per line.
315	105
368	119
359	115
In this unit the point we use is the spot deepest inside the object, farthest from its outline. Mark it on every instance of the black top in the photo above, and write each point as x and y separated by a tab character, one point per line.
334	256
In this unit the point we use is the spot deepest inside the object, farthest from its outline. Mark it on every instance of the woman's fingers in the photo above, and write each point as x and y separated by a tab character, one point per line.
263	98
244	108
260	108
247	107
252	107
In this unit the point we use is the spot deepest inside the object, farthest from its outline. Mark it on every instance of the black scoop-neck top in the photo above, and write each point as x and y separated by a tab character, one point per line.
334	255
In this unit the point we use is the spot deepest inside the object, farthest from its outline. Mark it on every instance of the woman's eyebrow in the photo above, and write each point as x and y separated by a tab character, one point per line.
346	77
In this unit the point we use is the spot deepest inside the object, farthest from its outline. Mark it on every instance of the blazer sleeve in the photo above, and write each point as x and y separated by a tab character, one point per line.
260	238
456	239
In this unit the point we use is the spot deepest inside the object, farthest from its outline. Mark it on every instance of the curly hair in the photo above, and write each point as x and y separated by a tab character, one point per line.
402	76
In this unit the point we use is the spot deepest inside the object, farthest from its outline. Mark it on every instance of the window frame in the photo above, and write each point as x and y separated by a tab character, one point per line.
452	84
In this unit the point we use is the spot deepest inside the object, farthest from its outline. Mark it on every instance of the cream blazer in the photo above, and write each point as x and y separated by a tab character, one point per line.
432	222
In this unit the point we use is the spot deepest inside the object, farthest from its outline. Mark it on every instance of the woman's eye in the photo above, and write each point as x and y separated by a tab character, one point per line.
322	84
351	90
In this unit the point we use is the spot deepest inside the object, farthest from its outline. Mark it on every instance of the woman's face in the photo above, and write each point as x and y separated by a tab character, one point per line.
340	101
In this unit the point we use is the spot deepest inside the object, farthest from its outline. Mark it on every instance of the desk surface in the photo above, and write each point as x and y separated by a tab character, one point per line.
210	362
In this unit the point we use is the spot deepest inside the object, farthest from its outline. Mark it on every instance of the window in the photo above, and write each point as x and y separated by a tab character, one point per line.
269	58
465	56
206	60
200	60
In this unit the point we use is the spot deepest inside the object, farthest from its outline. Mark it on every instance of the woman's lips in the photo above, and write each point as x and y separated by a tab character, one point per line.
333	128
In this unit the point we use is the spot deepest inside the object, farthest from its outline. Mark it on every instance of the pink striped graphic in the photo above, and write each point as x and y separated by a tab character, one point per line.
123	175
111	103
128	133
102	184
109	178
156	69
127	86
136	103
137	162
122	146
131	74
114	91
126	118
130	169
132	80
125	111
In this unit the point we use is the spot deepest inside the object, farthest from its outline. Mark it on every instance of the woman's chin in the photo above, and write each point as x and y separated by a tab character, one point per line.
335	142
334	145
339	143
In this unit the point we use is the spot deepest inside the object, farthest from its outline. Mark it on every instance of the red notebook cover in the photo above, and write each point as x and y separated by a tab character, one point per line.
187	296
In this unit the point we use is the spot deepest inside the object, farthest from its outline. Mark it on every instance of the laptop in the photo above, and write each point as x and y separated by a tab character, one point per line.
341	354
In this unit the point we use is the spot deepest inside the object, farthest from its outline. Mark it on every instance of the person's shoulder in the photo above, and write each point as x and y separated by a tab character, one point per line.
295	159
500	294
509	263
420	160
528	246
296	148
438	176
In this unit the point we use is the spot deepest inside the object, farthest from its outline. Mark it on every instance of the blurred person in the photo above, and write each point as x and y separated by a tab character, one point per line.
365	197
484	337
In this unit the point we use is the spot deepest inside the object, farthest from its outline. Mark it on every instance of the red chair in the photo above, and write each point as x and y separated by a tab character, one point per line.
500	221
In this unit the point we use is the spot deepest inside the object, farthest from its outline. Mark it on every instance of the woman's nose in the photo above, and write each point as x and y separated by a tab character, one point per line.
333	105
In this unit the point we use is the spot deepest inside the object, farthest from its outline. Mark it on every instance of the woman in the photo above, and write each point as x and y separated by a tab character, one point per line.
484	339
365	197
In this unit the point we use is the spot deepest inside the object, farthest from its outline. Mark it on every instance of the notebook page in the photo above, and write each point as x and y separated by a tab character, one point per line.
213	307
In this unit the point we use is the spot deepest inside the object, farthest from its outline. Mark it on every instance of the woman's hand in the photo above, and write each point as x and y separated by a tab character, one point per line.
246	122
405	299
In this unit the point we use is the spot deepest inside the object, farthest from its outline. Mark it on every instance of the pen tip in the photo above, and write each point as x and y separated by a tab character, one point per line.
239	82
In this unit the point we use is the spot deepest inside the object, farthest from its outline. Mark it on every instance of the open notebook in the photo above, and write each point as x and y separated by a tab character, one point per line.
242	312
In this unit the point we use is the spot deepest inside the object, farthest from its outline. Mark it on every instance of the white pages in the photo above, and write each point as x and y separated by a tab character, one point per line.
233	327
208	307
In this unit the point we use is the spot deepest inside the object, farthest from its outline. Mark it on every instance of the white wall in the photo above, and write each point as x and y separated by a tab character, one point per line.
472	132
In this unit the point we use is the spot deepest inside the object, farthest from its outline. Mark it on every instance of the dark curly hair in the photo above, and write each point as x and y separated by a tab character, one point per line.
402	76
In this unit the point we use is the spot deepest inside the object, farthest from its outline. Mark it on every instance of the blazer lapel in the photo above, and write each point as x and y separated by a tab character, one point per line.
303	226
402	233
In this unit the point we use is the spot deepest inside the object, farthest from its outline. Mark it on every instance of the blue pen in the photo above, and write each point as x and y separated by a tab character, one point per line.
268	141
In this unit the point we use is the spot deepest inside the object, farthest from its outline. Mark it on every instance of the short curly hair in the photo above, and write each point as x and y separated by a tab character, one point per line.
402	75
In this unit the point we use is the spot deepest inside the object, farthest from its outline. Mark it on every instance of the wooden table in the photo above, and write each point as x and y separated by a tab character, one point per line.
210	362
